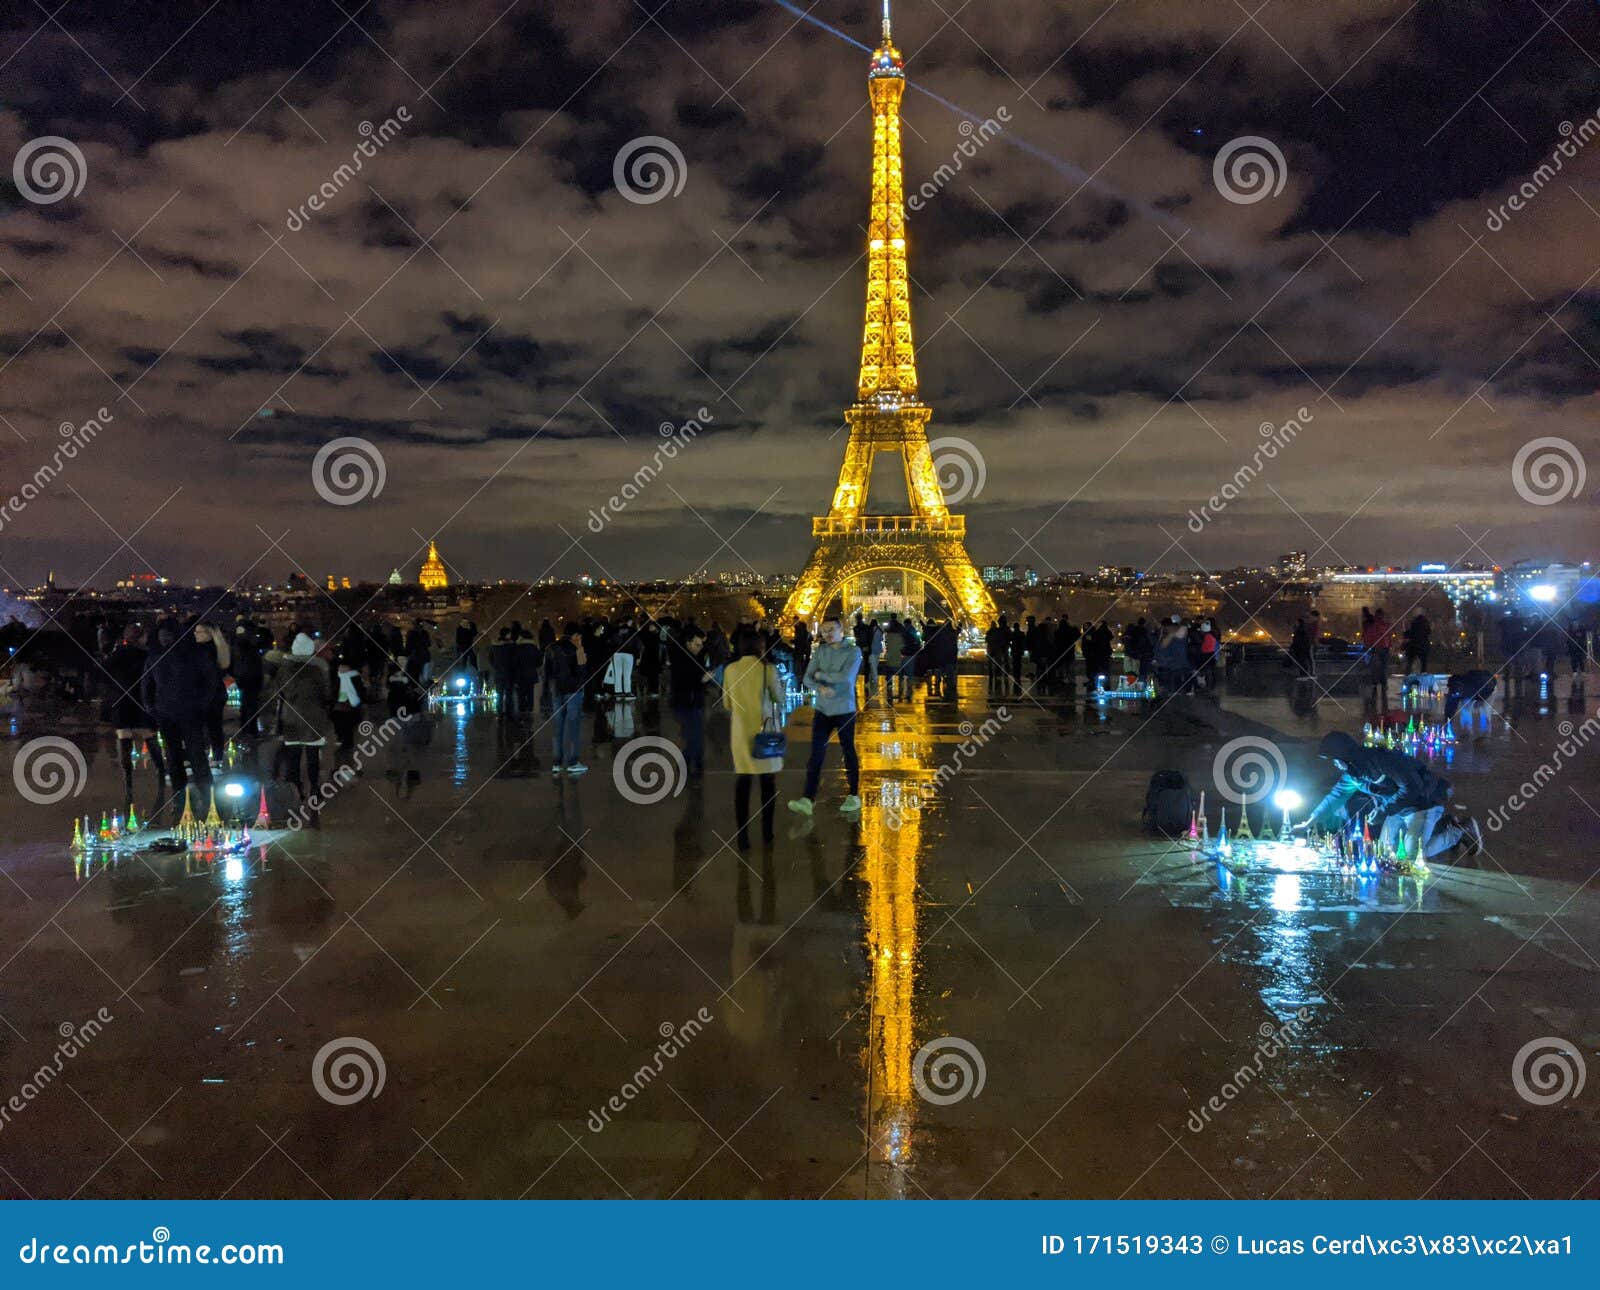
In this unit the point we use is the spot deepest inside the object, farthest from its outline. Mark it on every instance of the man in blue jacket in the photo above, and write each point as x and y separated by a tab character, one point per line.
832	673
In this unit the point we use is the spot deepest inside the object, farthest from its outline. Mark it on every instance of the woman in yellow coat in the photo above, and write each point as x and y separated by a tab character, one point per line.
752	691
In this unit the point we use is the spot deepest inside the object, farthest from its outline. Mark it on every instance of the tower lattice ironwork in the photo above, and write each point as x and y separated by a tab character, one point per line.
887	415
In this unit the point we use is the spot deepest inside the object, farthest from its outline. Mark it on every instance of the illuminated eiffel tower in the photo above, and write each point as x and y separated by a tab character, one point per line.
887	416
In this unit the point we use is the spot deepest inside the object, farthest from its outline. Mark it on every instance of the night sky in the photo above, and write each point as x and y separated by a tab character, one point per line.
483	306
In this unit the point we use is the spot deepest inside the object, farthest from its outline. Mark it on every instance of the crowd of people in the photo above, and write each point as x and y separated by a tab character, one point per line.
1042	657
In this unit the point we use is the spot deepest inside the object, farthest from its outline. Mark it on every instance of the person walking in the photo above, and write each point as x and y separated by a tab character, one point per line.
298	683
832	674
753	692
687	682
565	664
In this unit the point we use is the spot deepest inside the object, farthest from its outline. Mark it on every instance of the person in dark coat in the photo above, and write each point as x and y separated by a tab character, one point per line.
1019	647
215	643
180	682
1301	652
1066	652
566	665
802	647
525	672
1393	791
129	716
503	664
300	685
1418	642
1096	653
1139	647
687	681
419	653
247	671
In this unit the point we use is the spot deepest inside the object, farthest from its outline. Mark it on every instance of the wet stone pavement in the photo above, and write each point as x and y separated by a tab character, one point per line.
991	984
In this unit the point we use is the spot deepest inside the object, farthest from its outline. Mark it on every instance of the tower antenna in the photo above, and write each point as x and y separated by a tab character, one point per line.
886	39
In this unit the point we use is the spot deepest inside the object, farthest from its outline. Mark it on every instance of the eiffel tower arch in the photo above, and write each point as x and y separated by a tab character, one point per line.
887	415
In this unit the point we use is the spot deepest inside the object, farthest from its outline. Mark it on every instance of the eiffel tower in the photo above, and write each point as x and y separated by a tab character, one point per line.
887	415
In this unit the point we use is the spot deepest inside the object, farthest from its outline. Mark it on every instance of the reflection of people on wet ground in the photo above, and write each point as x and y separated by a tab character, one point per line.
832	675
129	716
688	840
1395	791
1468	689
514	752
687	682
563	880
769	893
753	693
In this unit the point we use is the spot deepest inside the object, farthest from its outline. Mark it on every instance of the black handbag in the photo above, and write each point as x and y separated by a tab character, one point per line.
770	740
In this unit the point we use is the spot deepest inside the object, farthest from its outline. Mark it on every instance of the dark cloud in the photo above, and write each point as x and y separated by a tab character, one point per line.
477	299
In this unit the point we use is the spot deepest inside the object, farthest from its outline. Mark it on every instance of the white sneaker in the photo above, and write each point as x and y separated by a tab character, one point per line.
577	768
850	806
556	772
802	805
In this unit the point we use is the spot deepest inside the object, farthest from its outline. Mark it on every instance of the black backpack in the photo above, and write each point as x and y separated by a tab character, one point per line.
1168	806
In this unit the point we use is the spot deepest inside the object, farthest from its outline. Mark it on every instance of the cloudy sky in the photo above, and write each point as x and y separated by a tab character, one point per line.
1101	317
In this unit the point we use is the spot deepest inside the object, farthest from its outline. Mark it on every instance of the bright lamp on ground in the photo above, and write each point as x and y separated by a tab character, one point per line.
1286	800
233	788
